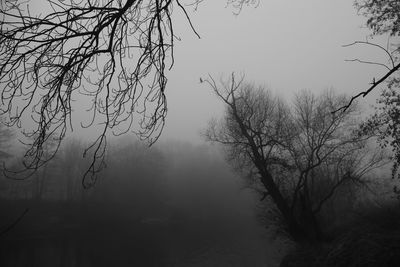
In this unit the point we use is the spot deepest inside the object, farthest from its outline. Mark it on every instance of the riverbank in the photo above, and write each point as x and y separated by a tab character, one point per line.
372	239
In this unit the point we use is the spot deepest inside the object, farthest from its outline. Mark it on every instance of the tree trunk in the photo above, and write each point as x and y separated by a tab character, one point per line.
294	228
296	231
308	219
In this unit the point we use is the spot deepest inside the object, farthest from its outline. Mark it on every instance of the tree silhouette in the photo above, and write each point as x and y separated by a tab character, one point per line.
112	53
299	156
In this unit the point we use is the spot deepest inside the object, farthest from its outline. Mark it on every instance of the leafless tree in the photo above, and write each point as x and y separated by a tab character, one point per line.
299	155
113	53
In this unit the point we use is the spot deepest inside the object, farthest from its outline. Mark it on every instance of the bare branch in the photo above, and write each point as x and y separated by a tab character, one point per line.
385	50
111	54
13	224
365	93
368	62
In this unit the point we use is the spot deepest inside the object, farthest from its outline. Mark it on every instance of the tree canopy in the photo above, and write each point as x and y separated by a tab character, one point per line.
299	155
383	15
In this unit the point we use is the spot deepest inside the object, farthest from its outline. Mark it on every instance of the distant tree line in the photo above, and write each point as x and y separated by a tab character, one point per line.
170	181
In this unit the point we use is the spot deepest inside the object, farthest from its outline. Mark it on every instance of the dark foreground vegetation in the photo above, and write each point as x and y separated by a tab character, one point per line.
372	238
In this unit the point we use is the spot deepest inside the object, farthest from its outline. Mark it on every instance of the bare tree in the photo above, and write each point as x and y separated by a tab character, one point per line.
300	156
327	152
114	53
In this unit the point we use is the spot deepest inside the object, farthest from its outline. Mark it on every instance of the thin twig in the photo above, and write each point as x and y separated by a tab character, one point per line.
13	224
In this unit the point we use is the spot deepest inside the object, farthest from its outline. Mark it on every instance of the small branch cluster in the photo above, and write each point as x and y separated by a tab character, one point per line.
391	67
383	18
239	4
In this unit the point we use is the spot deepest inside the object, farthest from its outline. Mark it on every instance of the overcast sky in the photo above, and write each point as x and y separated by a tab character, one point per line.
285	45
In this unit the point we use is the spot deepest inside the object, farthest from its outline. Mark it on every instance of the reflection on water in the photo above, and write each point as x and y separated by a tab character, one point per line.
78	237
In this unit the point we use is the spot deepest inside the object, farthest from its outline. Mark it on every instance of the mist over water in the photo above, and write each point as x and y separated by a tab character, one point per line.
174	204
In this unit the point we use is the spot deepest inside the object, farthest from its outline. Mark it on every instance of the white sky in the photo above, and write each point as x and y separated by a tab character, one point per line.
285	45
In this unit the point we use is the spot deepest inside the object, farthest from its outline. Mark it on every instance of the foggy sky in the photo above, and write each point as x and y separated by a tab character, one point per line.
285	45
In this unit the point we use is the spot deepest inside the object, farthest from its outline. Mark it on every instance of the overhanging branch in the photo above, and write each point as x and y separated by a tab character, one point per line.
366	92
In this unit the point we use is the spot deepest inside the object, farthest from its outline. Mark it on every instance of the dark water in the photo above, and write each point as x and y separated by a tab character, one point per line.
72	235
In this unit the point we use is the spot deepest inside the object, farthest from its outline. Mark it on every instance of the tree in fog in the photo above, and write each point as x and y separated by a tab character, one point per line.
7	136
299	155
113	54
134	177
45	178
71	165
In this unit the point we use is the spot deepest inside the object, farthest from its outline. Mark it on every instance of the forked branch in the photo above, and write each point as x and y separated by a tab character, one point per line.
111	54
391	55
